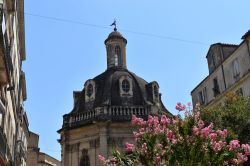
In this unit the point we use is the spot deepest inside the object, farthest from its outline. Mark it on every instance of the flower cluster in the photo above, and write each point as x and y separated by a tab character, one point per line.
180	107
175	141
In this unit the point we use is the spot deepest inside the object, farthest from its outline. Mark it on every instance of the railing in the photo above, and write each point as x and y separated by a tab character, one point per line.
115	113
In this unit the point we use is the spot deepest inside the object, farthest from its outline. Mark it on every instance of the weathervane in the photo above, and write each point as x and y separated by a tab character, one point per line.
114	24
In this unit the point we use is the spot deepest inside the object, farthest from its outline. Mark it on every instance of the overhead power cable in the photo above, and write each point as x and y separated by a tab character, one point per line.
108	27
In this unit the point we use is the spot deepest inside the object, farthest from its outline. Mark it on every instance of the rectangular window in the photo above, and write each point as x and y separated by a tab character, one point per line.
202	95
236	69
216	87
205	94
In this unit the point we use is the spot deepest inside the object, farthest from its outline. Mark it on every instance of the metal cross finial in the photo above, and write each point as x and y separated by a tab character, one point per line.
114	24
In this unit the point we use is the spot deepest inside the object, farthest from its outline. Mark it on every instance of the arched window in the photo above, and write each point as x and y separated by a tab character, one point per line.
85	158
117	56
89	90
116	60
109	49
125	86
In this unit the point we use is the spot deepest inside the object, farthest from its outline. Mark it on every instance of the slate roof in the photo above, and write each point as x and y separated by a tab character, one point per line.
107	92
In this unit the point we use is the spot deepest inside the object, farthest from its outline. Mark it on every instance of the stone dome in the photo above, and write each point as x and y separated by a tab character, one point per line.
108	92
116	94
115	35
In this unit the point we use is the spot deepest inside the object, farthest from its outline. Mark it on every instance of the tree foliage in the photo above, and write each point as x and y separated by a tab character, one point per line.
233	114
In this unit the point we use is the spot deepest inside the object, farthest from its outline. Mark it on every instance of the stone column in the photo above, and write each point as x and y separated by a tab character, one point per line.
75	154
103	140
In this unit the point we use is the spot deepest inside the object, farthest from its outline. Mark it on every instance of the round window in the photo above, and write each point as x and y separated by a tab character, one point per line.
125	86
89	90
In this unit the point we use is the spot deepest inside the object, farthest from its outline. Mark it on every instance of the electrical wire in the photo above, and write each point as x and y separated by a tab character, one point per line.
107	27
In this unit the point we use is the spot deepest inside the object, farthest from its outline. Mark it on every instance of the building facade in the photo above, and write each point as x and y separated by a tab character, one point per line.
37	158
229	71
13	119
100	119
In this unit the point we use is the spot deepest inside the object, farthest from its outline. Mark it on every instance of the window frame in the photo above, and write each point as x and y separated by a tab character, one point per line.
89	90
216	87
118	61
236	68
125	85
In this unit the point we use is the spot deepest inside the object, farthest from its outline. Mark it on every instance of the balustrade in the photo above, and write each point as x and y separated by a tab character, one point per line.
105	113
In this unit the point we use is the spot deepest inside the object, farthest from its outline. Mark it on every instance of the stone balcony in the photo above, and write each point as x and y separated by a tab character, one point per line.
112	113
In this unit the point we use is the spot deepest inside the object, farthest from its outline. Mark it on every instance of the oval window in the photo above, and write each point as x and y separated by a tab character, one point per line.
125	86
89	90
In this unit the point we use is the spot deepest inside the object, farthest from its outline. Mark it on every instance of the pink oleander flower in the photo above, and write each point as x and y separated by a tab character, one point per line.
158	146
165	120
157	129
180	107
137	121
137	135
170	135
240	158
213	136
175	120
155	120
144	148
205	132
195	130
102	158
158	139
174	141
223	133
246	148
129	147
210	127
197	116
234	144
225	163
200	124
150	120
217	146
157	159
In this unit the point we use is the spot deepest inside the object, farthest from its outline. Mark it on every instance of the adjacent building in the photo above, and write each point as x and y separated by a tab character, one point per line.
37	158
229	71
13	119
100	118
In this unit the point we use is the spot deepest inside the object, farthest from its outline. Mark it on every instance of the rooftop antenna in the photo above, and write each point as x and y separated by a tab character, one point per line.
114	24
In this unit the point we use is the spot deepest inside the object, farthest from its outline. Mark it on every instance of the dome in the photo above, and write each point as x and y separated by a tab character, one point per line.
116	94
107	93
115	35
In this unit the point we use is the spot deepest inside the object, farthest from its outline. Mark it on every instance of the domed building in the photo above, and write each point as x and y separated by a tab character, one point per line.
101	118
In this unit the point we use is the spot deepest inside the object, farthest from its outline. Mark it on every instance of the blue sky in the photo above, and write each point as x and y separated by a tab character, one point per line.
167	42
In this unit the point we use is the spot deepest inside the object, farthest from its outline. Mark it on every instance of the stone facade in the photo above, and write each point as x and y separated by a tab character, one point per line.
101	117
13	119
229	71
99	138
37	158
